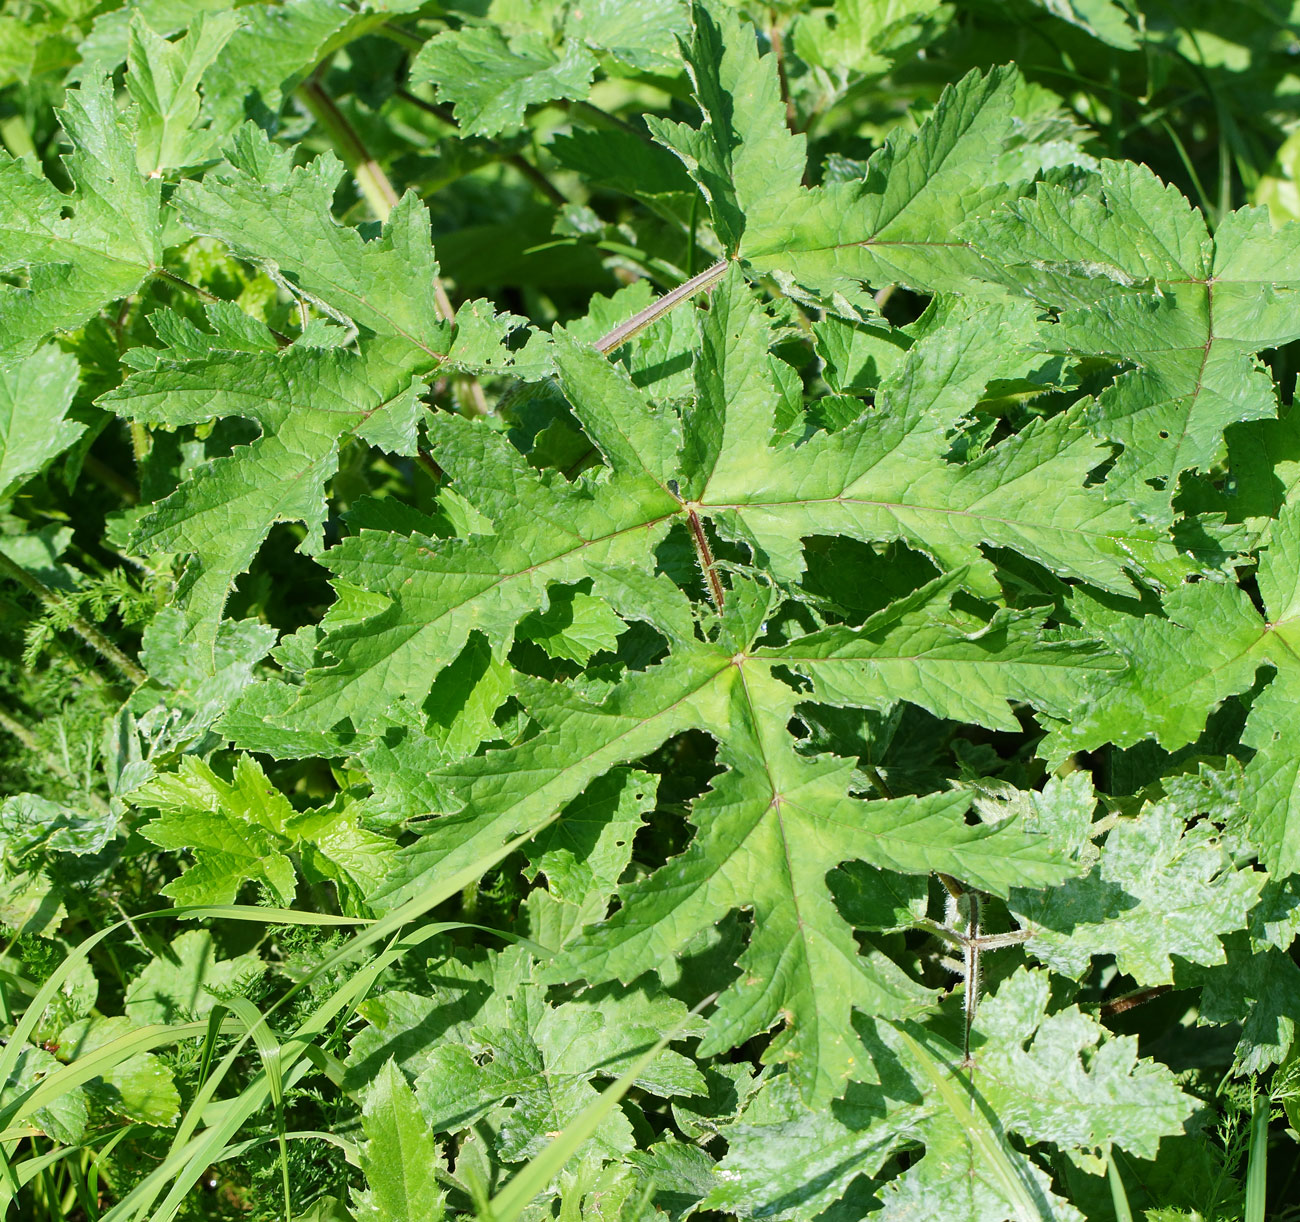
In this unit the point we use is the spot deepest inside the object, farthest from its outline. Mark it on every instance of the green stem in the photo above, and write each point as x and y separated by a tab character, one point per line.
17	137
87	632
139	442
1257	1167
877	778
778	51
102	473
404	38
603	118
514	160
382	198
371	179
20	732
1118	1194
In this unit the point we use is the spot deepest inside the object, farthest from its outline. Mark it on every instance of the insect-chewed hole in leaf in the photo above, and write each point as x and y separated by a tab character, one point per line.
901	306
686	765
1250	584
791	678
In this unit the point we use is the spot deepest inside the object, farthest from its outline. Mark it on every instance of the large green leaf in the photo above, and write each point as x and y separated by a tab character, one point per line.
105	249
1140	280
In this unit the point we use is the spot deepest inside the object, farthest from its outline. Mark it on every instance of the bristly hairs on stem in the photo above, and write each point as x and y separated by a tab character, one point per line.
86	631
704	555
657	309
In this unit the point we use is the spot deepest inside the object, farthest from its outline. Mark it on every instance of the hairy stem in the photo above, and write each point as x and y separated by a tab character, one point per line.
972	946
87	632
985	941
705	556
379	193
973	971
657	309
1110	1008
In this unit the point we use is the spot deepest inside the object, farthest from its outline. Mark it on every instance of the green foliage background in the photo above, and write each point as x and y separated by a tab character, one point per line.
826	750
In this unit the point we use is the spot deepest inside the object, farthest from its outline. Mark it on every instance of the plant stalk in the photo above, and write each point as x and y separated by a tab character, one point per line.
1109	1009
515	160
371	179
704	554
657	309
203	295
86	631
19	731
102	473
777	40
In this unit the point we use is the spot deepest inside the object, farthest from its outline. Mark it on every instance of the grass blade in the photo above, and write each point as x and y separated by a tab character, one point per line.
1257	1167
189	1156
1118	1193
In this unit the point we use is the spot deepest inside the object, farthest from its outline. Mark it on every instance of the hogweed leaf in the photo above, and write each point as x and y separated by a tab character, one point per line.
104	250
244	830
774	815
492	79
279	215
1258	989
857	37
899	222
1158	889
920	649
882	477
743	156
434	592
163	80
308	401
1141	281
1048	1077
531	1069
1210	645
